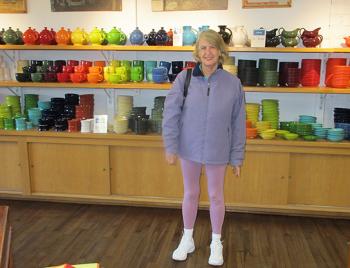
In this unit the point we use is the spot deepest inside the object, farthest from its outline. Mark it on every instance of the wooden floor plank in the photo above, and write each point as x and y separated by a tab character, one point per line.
53	233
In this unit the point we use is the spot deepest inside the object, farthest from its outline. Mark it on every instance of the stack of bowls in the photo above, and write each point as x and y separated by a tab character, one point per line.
247	72
252	112
335	134
270	112
268	134
288	74
331	63
310	72
268	75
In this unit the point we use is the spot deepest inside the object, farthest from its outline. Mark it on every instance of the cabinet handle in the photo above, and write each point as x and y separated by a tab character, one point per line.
31	165
103	169
289	177
282	177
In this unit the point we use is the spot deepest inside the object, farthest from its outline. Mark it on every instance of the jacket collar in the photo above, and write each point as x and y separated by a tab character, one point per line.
198	72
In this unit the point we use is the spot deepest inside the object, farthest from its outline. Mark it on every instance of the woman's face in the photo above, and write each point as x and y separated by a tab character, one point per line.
208	54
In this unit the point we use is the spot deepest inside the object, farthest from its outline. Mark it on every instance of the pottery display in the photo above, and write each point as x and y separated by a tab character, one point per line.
239	36
116	37
170	35
10	37
312	41
272	40
63	37
225	33
105	41
151	38
189	36
161	37
96	36
136	37
46	37
79	37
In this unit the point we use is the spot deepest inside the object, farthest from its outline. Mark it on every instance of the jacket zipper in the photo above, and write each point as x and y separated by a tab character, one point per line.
208	91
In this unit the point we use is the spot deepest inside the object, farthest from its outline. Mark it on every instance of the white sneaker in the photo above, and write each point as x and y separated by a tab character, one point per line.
216	258
185	247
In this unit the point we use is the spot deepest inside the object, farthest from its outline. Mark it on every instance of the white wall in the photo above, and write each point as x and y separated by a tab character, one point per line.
333	16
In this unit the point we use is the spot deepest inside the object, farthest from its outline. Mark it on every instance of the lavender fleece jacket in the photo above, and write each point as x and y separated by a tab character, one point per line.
210	129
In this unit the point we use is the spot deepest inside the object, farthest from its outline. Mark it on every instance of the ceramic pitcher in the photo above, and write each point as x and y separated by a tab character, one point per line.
239	36
225	33
189	36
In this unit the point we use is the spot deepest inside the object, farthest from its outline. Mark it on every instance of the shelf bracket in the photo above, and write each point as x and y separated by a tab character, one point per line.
13	92
104	56
107	93
8	56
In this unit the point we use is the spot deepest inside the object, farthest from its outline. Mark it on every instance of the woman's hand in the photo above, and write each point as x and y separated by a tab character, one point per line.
236	170
170	158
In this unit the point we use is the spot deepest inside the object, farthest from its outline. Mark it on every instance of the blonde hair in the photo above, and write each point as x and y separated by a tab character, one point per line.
214	39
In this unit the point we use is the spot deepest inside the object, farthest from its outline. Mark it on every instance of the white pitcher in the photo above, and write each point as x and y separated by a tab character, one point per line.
239	36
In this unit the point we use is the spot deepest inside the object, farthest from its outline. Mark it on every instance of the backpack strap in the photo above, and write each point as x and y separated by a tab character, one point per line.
187	84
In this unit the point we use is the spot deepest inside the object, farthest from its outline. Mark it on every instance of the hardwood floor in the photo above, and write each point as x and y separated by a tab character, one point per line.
54	233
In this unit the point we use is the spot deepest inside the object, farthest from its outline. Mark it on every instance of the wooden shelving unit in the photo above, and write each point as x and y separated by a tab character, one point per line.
167	85
173	48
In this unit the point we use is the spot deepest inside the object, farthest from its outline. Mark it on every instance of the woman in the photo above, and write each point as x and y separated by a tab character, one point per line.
206	128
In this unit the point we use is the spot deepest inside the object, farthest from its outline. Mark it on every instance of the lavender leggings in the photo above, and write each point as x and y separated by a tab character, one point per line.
191	173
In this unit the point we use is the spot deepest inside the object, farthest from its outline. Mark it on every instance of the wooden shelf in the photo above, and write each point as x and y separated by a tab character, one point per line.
167	85
130	85
157	137
173	48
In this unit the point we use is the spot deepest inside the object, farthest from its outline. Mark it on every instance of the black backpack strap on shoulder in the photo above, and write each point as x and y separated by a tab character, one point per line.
187	84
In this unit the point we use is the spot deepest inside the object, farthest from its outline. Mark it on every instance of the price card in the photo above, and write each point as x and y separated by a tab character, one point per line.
258	38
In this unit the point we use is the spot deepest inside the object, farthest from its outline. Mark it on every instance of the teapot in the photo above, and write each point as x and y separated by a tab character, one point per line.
10	37
19	37
310	34
161	37
96	37
136	37
46	37
226	36
151	38
189	36
113	36
347	41
271	33
62	37
239	36
30	37
312	41
289	42
289	34
79	37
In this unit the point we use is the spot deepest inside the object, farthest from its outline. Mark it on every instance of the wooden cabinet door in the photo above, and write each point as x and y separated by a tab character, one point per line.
69	168
10	174
142	171
263	180
322	180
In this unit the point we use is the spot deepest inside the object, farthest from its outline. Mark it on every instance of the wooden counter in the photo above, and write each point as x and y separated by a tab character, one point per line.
290	177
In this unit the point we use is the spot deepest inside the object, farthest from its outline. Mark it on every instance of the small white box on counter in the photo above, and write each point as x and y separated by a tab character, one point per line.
258	38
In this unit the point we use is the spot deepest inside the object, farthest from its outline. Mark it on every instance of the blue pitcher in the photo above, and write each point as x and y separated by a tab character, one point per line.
136	37
189	36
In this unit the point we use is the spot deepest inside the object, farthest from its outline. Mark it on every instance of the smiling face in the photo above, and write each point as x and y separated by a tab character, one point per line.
208	54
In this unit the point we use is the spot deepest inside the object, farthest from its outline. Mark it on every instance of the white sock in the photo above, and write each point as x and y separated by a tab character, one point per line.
215	237
188	233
